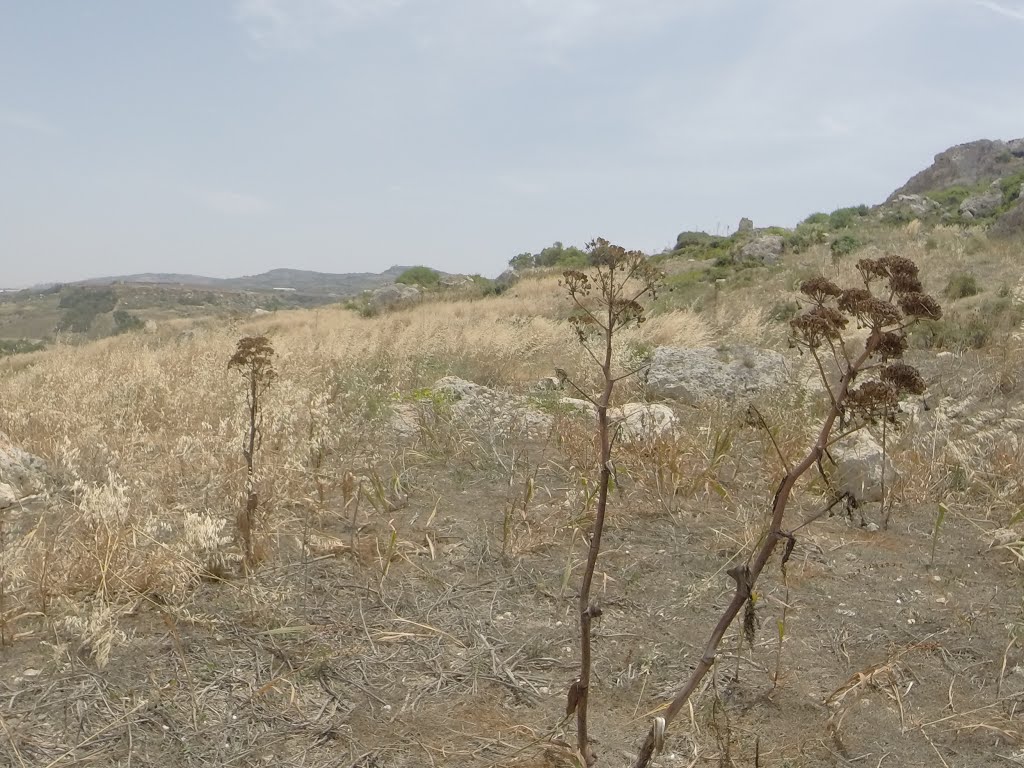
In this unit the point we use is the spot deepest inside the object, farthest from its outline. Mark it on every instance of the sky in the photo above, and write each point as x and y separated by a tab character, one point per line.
229	137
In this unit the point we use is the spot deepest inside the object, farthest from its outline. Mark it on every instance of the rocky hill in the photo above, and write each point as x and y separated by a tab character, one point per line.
967	165
975	183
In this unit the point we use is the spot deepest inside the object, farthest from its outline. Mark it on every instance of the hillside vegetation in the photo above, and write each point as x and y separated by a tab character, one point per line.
411	596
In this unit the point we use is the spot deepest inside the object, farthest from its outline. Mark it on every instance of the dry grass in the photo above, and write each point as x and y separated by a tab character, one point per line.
383	626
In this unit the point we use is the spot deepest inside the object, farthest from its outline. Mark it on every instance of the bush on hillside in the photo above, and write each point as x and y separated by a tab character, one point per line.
425	277
961	285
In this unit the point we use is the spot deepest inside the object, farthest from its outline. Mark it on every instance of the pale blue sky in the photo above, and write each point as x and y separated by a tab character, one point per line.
228	137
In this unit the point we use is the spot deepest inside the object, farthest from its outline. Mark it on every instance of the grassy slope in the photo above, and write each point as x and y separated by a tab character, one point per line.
408	639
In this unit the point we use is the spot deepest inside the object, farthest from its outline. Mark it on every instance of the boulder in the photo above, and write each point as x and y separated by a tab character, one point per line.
858	467
917	205
746	225
488	410
506	279
1012	222
637	422
766	249
21	473
455	281
985	204
696	375
390	296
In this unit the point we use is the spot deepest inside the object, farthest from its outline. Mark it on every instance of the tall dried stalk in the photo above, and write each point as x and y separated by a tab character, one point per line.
254	359
619	280
891	300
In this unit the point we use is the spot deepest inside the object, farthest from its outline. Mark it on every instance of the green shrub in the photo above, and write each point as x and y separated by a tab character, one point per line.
19	346
841	218
807	234
844	245
126	321
94	300
961	285
819	219
425	277
950	197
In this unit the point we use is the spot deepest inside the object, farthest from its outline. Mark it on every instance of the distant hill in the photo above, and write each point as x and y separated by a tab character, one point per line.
298	280
967	165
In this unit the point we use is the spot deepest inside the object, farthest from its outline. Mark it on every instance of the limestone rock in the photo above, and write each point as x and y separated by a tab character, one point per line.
389	296
638	422
21	473
746	225
766	249
695	375
915	204
1012	222
985	204
858	467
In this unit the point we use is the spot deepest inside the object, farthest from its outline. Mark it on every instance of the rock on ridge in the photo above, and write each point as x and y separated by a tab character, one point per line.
21	473
692	376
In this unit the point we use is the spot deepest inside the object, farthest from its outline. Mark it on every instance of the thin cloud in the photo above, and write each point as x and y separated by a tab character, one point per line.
1012	12
27	121
296	24
232	203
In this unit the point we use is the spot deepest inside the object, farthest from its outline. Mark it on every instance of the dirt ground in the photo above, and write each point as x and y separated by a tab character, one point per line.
414	640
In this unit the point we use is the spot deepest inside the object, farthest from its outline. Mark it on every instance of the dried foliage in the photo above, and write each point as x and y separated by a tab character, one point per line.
606	301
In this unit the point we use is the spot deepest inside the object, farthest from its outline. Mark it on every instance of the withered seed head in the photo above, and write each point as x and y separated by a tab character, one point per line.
818	289
920	305
905	379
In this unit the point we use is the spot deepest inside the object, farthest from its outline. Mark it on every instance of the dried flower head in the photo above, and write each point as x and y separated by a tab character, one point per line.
920	305
851	299
891	344
904	379
818	324
819	289
871	398
254	356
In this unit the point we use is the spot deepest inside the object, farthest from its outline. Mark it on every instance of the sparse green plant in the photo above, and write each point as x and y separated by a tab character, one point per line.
254	359
844	245
606	302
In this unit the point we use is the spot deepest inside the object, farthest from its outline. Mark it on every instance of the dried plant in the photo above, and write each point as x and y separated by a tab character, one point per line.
607	300
254	358
861	384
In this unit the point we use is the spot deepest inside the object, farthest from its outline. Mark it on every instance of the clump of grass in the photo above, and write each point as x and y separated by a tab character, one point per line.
961	285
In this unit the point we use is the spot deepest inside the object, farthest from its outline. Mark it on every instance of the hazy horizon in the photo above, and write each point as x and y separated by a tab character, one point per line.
231	137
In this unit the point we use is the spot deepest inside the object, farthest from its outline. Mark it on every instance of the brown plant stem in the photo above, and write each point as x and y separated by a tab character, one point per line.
587	611
746	576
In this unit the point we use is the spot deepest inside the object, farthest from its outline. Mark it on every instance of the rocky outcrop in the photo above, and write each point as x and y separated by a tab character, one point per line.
858	471
984	204
21	474
917	205
766	249
641	422
487	410
746	225
455	281
1010	223
696	375
391	296
967	165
